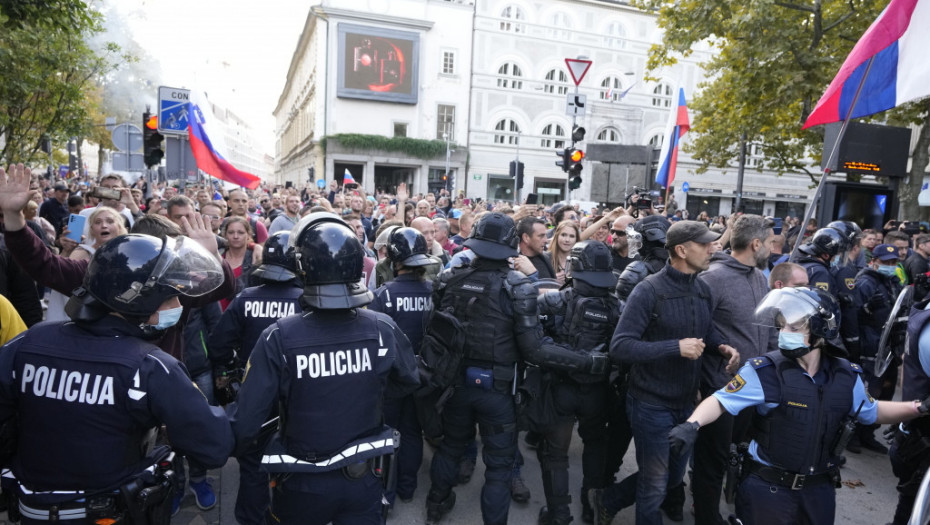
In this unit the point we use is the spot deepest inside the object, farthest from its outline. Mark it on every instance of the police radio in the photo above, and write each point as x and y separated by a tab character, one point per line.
846	432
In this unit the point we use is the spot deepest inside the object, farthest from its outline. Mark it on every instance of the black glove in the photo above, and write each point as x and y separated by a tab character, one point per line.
600	364
924	406
682	438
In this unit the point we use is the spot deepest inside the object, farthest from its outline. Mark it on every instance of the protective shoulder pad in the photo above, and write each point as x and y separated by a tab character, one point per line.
760	362
519	286
552	301
632	275
853	366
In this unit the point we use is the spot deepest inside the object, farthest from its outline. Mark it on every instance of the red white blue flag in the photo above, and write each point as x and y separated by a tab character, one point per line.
347	178
678	125
897	43
206	153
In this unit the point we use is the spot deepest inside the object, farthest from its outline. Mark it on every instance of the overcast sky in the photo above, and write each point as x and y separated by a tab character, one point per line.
237	51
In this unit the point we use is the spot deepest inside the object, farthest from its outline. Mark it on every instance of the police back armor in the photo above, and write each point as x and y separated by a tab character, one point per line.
580	321
877	295
408	301
248	315
800	433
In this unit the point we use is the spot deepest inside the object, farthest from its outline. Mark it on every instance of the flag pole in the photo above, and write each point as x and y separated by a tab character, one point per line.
833	154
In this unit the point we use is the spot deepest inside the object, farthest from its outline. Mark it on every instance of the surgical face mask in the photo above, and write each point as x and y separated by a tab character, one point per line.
886	270
835	262
791	340
168	318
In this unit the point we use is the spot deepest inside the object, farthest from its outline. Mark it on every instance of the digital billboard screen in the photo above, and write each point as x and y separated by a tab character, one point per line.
378	64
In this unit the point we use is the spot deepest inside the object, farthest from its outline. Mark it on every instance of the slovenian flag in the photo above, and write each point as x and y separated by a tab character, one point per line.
897	43
209	159
678	125
347	178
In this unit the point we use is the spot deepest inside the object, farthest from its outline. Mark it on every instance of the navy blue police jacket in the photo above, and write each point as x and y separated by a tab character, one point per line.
408	300
248	315
330	370
86	394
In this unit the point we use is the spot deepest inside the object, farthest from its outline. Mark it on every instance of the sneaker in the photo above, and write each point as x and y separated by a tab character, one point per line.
203	494
518	490
466	469
674	503
435	511
601	515
868	442
176	504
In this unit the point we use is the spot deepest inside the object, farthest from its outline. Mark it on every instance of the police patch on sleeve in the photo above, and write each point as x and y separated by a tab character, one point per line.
867	394
823	286
735	384
850	283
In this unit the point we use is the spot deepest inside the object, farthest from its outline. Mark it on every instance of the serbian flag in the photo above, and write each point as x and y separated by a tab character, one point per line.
208	157
678	125
897	43
347	178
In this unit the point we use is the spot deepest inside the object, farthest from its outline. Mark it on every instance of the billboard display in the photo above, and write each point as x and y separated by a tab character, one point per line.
377	64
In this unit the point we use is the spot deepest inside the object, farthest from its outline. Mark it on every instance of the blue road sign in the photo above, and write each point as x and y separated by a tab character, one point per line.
684	187
173	110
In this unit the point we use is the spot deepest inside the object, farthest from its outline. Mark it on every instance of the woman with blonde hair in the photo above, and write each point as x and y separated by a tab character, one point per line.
565	236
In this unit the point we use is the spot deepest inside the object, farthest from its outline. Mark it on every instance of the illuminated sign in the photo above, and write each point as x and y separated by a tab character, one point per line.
869	167
378	64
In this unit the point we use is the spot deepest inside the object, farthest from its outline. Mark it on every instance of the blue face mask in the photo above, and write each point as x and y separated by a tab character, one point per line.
168	318
791	340
887	270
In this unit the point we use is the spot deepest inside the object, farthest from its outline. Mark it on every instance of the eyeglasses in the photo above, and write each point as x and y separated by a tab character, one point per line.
618	232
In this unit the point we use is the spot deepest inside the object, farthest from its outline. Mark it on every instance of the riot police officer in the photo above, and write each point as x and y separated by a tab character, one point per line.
652	254
88	393
329	369
231	343
408	300
497	308
844	275
803	396
816	255
583	315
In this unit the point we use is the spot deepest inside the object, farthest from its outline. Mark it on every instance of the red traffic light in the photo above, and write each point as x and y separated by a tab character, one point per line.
577	155
152	122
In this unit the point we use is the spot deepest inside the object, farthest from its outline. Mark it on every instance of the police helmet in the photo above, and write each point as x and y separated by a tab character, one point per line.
653	229
800	307
825	241
407	246
590	261
278	264
330	261
134	274
850	230
494	236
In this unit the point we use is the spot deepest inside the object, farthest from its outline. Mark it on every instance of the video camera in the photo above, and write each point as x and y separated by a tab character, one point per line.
644	198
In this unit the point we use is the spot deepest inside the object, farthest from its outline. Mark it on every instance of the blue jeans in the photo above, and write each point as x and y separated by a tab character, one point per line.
658	469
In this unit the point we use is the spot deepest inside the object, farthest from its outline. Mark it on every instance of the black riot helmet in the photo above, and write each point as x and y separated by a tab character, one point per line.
801	307
407	247
590	261
653	229
494	236
825	241
278	264
330	261
850	230
134	274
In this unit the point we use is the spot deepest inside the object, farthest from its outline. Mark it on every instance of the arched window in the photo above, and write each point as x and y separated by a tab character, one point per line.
656	141
553	137
512	15
510	76
662	96
507	131
610	89
556	82
615	36
561	25
609	135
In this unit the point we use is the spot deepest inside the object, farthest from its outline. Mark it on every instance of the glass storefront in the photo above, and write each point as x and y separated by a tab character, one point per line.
699	203
789	209
549	192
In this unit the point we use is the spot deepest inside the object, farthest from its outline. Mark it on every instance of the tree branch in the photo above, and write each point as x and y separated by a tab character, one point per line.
840	20
796	7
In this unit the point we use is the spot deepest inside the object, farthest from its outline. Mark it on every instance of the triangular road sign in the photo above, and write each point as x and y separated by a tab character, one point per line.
577	68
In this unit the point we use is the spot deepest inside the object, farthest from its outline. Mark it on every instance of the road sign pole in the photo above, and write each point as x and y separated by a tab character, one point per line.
568	177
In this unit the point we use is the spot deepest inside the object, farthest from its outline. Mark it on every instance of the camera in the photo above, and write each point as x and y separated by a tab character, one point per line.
644	199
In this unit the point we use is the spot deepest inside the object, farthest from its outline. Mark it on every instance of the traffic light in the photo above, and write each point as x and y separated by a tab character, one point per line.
151	140
564	159
573	161
516	171
577	133
574	183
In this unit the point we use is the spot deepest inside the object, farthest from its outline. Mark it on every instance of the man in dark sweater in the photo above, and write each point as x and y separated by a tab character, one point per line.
664	329
532	234
737	287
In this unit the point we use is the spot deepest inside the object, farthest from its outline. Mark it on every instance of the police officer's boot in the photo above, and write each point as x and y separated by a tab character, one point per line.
561	516
435	510
587	511
674	503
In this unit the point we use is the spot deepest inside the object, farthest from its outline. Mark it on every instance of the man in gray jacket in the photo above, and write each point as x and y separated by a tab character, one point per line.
737	286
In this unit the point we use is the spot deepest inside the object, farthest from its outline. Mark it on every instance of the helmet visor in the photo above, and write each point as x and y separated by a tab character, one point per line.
187	267
786	306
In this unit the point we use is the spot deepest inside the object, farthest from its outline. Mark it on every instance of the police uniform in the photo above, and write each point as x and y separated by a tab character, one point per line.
875	296
818	273
329	370
791	473
498	308
582	316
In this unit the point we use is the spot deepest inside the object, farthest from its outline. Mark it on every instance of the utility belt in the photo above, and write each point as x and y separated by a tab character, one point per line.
792	480
500	378
144	500
353	458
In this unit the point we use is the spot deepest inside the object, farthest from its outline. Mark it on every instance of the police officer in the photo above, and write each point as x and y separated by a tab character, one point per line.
816	256
652	254
582	315
498	309
87	393
910	452
329	369
877	287
802	396
231	343
844	275
408	300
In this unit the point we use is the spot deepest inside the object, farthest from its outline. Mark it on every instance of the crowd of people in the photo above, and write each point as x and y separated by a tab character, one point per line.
343	331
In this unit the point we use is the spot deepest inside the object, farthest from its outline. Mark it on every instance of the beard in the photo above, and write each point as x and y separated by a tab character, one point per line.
762	260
